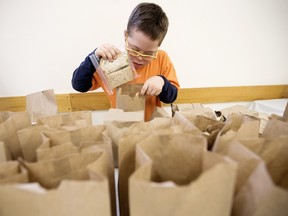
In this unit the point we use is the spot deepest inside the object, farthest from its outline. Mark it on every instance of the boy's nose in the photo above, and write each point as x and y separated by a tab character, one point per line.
140	58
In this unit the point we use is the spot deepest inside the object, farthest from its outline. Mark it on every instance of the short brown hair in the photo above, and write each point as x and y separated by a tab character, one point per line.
150	19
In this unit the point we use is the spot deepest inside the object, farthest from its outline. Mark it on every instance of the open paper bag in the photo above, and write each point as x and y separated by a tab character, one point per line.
12	172
91	138
31	138
210	127
42	143
136	133
274	153
180	178
4	154
50	173
128	98
254	186
78	118
272	148
237	126
118	125
240	109
10	123
275	128
193	110
80	183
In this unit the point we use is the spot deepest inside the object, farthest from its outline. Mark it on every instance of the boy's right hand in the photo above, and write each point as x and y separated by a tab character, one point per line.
107	51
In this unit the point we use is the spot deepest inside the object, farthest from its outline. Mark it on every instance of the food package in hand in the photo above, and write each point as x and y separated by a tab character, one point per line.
117	72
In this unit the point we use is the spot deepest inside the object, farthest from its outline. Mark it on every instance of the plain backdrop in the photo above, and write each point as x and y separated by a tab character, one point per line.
212	43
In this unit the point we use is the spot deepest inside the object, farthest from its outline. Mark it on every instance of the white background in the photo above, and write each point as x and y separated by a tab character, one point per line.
212	43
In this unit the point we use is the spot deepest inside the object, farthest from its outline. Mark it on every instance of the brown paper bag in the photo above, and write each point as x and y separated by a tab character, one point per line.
78	135
115	129
40	104
10	123
278	206
253	185
186	124
128	98
226	112
210	127
89	196
160	112
172	180
31	138
136	133
49	173
238	126
11	172
127	144
193	110
47	151
58	144
71	198
274	153
79	118
4	154
92	138
275	128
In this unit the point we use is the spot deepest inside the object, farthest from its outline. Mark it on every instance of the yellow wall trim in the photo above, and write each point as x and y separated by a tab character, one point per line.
99	101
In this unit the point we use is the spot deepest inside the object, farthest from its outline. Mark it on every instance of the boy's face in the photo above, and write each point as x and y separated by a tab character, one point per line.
141	48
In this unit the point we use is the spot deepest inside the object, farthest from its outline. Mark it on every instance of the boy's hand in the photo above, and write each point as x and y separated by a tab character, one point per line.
107	51
153	86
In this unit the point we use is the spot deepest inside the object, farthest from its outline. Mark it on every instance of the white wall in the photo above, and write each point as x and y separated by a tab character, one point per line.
212	43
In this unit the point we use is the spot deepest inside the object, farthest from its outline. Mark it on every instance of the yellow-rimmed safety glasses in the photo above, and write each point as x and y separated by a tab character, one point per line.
136	53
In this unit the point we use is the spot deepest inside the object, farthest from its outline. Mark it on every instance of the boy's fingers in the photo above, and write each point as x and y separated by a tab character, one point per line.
144	89
108	51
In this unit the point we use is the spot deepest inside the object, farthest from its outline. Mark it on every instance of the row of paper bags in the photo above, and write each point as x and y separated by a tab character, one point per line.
65	166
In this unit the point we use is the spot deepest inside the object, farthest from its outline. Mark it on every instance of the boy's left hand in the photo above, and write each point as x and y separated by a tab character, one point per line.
153	86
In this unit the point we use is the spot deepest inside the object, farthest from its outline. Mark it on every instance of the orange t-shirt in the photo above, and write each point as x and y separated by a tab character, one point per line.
159	66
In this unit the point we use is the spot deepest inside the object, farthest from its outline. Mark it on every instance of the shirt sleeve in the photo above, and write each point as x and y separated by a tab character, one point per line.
169	92
83	75
171	85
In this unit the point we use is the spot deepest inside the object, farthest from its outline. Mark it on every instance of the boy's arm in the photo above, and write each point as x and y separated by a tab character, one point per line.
169	92
82	76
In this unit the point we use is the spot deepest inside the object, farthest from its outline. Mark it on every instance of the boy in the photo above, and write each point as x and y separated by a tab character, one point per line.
146	29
